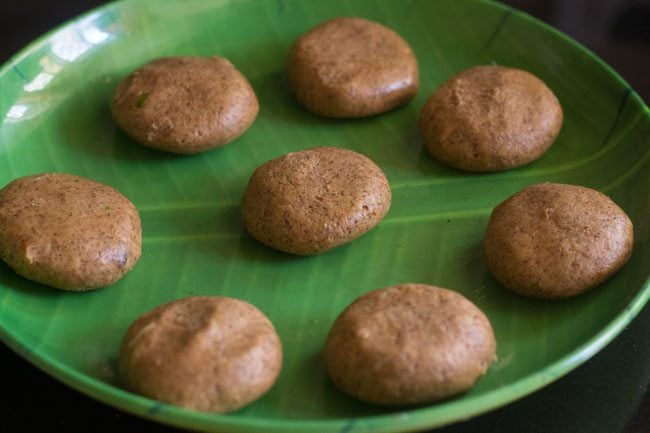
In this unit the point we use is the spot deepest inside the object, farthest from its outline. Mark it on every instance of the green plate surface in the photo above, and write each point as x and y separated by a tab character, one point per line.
53	104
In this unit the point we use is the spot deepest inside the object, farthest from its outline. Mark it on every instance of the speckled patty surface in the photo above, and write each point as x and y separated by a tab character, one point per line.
312	201
555	240
490	118
68	232
205	353
409	344
185	104
352	67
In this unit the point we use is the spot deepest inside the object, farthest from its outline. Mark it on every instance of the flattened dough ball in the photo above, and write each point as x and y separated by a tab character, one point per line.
409	344
490	118
352	67
315	200
206	353
555	241
185	104
67	231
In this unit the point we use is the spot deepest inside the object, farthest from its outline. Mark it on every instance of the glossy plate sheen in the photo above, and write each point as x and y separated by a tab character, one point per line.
53	104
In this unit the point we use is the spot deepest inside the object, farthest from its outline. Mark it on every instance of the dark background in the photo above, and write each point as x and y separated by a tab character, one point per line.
608	394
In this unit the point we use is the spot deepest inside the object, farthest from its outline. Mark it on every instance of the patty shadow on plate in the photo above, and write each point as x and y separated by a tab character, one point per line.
327	400
253	250
219	233
264	66
502	306
11	280
324	398
279	105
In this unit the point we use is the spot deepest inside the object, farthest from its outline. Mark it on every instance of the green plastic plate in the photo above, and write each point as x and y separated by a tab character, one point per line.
53	105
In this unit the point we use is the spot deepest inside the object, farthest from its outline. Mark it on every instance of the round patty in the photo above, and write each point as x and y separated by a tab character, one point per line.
409	344
67	231
554	240
205	353
315	200
352	67
490	118
185	104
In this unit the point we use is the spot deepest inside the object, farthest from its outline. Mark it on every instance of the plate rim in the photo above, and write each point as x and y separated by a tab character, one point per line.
412	418
403	419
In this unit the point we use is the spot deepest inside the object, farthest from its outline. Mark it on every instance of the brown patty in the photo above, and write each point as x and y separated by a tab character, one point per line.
68	232
409	344
185	104
554	240
205	353
312	201
352	67
490	118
